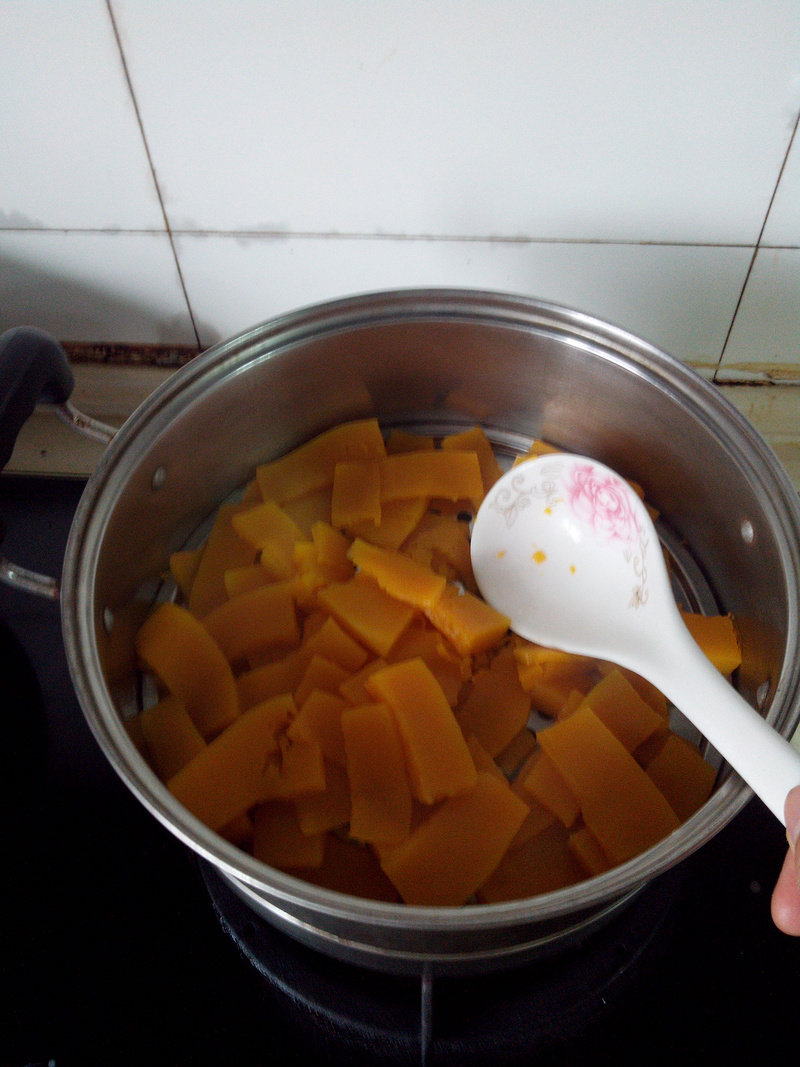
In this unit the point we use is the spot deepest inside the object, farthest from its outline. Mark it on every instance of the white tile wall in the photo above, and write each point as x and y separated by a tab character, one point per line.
72	152
94	286
765	339
239	283
618	156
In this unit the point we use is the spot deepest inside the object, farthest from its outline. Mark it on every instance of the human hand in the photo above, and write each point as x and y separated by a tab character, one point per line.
786	896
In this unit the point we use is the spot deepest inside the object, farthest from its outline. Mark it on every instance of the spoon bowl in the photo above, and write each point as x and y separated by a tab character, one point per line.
565	547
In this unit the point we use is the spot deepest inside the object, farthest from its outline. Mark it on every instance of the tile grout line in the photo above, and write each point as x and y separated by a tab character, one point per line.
757	247
338	235
162	208
275	235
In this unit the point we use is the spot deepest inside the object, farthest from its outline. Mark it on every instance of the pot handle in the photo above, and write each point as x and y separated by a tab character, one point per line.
34	369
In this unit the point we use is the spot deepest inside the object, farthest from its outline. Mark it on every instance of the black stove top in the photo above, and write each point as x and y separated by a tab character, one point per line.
119	947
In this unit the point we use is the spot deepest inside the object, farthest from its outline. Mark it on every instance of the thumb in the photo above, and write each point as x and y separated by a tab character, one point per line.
785	903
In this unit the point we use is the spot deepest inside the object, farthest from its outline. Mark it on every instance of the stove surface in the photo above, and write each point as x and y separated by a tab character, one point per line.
120	947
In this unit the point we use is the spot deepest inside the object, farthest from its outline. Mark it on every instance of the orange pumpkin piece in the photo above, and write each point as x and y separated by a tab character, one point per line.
399	518
356	495
551	698
400	577
538	817
240	580
544	782
227	777
622	807
266	523
311	466
405	441
319	719
329	810
239	832
496	707
441	542
297	769
682	775
586	849
469	623
380	792
279	840
718	638
449	669
224	550
271	679
572	703
646	690
543	863
449	855
171	738
310	508
354	690
178	649
183	567
437	757
352	868
320	673
617	704
516	752
254	622
449	475
481	758
475	440
331	641
366	612
331	551
547	664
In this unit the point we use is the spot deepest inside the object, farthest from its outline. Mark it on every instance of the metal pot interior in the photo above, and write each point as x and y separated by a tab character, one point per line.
432	360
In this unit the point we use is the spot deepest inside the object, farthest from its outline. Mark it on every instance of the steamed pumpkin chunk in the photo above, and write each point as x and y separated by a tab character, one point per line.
365	611
438	758
255	621
172	739
356	495
718	638
400	577
454	851
496	707
223	551
187	660
682	775
619	803
380	788
541	864
311	466
279	840
229	776
620	707
449	475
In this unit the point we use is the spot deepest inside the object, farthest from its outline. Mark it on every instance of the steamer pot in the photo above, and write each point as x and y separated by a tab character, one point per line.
434	360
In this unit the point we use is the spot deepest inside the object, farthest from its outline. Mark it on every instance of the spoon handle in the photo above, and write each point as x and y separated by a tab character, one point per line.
757	752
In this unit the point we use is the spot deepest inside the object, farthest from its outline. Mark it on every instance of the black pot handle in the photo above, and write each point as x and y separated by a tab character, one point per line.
33	369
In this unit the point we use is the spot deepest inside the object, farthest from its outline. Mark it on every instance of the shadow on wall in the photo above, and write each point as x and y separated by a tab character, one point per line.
75	309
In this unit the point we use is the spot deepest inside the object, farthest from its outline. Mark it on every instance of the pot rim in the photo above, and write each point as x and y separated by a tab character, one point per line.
263	341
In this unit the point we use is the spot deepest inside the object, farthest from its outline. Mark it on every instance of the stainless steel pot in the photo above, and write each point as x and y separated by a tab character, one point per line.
434	360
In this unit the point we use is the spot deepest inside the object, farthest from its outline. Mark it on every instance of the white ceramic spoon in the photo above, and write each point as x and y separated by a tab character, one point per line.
565	548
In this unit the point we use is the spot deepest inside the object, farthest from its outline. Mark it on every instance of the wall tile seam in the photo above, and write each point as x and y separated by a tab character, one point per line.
151	163
443	238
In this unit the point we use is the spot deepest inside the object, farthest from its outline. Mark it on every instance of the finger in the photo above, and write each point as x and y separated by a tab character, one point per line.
786	897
